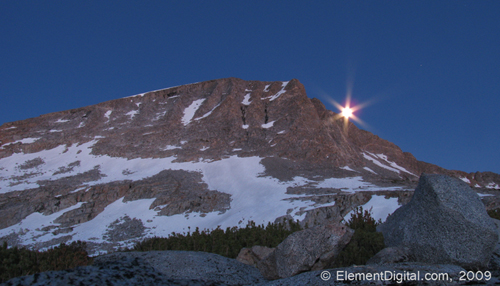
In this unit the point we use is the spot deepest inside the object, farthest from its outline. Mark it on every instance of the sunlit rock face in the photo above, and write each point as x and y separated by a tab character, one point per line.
215	153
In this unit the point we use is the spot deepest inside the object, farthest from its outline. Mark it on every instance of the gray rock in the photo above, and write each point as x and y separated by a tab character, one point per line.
124	229
268	268
445	222
390	255
251	256
495	256
309	249
191	265
151	268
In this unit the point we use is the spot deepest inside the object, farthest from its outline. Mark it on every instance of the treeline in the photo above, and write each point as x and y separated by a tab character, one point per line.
16	261
226	242
365	242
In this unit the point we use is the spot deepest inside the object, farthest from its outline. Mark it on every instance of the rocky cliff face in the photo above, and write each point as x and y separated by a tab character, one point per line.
220	152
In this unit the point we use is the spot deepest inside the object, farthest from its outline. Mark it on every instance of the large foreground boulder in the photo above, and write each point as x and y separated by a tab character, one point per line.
444	223
310	249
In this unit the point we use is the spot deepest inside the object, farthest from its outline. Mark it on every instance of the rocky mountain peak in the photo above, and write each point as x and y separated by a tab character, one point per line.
220	152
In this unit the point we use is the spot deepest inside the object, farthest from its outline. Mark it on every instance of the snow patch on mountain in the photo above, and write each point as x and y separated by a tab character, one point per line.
30	226
393	166
485	195
492	186
351	185
268	125
370	170
136	95
246	100
347	169
159	115
208	113
107	114
23	141
273	97
191	110
379	207
132	113
465	180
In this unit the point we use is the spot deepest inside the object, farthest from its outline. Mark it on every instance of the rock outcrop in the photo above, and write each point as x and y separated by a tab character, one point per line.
445	222
254	254
191	265
305	250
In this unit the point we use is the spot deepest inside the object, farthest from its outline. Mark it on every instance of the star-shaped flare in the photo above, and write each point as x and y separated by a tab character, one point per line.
347	112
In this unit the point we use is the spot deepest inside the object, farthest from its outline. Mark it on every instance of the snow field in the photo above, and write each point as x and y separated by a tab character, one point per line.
253	196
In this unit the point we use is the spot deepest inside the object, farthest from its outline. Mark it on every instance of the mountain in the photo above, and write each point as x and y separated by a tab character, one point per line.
215	153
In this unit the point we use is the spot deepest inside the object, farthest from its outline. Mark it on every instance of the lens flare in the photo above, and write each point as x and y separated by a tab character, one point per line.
346	112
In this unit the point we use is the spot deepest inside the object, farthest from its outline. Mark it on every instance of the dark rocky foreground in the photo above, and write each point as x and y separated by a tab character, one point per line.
426	241
198	268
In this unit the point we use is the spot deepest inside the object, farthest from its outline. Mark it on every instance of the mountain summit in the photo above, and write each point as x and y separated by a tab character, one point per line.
215	153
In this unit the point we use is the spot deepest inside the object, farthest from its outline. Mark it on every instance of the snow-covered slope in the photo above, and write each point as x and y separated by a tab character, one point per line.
254	196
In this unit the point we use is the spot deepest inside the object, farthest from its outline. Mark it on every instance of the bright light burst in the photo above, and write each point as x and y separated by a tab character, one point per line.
347	111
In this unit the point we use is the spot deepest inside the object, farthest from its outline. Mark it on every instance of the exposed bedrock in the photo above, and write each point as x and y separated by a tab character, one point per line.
175	192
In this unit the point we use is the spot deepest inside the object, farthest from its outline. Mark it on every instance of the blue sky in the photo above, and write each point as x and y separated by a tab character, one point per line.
431	69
